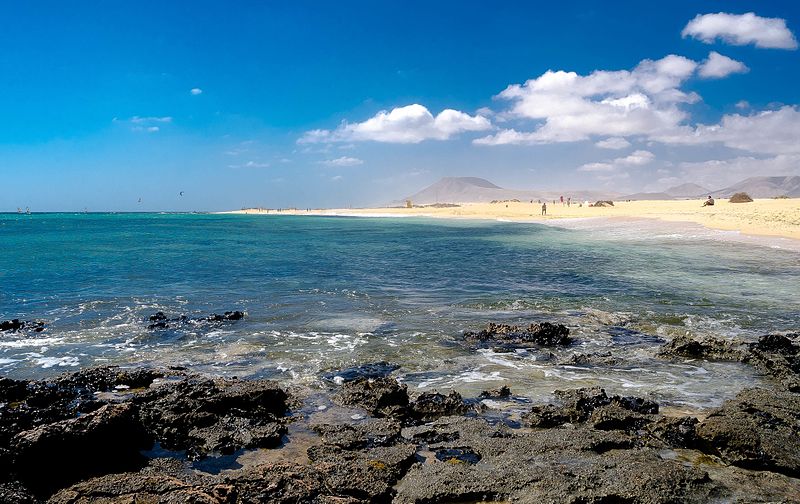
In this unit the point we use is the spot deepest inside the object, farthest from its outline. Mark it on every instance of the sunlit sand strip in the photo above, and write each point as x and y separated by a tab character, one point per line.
762	217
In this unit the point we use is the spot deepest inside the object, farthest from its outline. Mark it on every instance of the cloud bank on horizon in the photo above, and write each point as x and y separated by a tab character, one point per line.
617	108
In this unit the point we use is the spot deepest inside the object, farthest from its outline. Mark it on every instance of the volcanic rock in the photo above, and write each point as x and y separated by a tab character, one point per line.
544	334
758	429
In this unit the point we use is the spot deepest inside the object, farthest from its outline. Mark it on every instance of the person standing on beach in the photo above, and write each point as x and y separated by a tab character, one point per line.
544	208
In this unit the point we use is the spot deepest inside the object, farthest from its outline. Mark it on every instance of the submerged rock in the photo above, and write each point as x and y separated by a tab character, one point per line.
503	392
373	370
758	429
774	355
544	334
707	348
160	320
17	325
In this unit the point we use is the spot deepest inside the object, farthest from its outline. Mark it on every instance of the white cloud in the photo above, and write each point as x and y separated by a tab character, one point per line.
409	124
250	164
337	178
196	91
597	167
718	66
743	104
150	120
765	132
613	143
636	158
741	29
573	107
343	161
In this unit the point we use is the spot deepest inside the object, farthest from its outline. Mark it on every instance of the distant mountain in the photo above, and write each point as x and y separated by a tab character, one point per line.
648	196
764	187
688	190
478	190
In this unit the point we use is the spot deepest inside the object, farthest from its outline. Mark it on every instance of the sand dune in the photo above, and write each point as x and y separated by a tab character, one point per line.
768	217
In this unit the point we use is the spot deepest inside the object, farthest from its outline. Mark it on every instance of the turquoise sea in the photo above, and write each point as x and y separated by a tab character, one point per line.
324	293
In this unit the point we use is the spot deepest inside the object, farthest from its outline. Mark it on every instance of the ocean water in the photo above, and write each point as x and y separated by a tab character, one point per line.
325	293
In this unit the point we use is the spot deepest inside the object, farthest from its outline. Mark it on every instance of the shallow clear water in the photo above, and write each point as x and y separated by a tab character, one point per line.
323	293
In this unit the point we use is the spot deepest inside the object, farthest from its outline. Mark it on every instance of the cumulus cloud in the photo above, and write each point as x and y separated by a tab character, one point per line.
196	91
741	29
343	161
765	132
409	124
637	158
573	107
718	66
613	143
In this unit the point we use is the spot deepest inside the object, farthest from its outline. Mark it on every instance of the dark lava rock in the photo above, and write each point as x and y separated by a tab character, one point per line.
16	325
373	370
203	415
369	434
370	474
580	465
685	346
106	440
777	343
779	357
678	432
432	405
27	405
281	483
502	393
14	492
758	429
545	334
578	405
381	397
775	355
591	359
228	315
138	488
614	417
160	320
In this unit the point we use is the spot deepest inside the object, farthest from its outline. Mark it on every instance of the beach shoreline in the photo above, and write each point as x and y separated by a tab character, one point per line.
777	218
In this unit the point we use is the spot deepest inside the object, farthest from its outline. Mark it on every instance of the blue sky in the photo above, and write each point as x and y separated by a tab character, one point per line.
338	103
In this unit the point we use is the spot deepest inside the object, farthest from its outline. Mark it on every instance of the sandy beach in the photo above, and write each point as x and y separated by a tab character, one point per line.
763	217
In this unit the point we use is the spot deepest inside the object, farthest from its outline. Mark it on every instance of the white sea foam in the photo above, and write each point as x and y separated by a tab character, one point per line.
30	342
66	361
